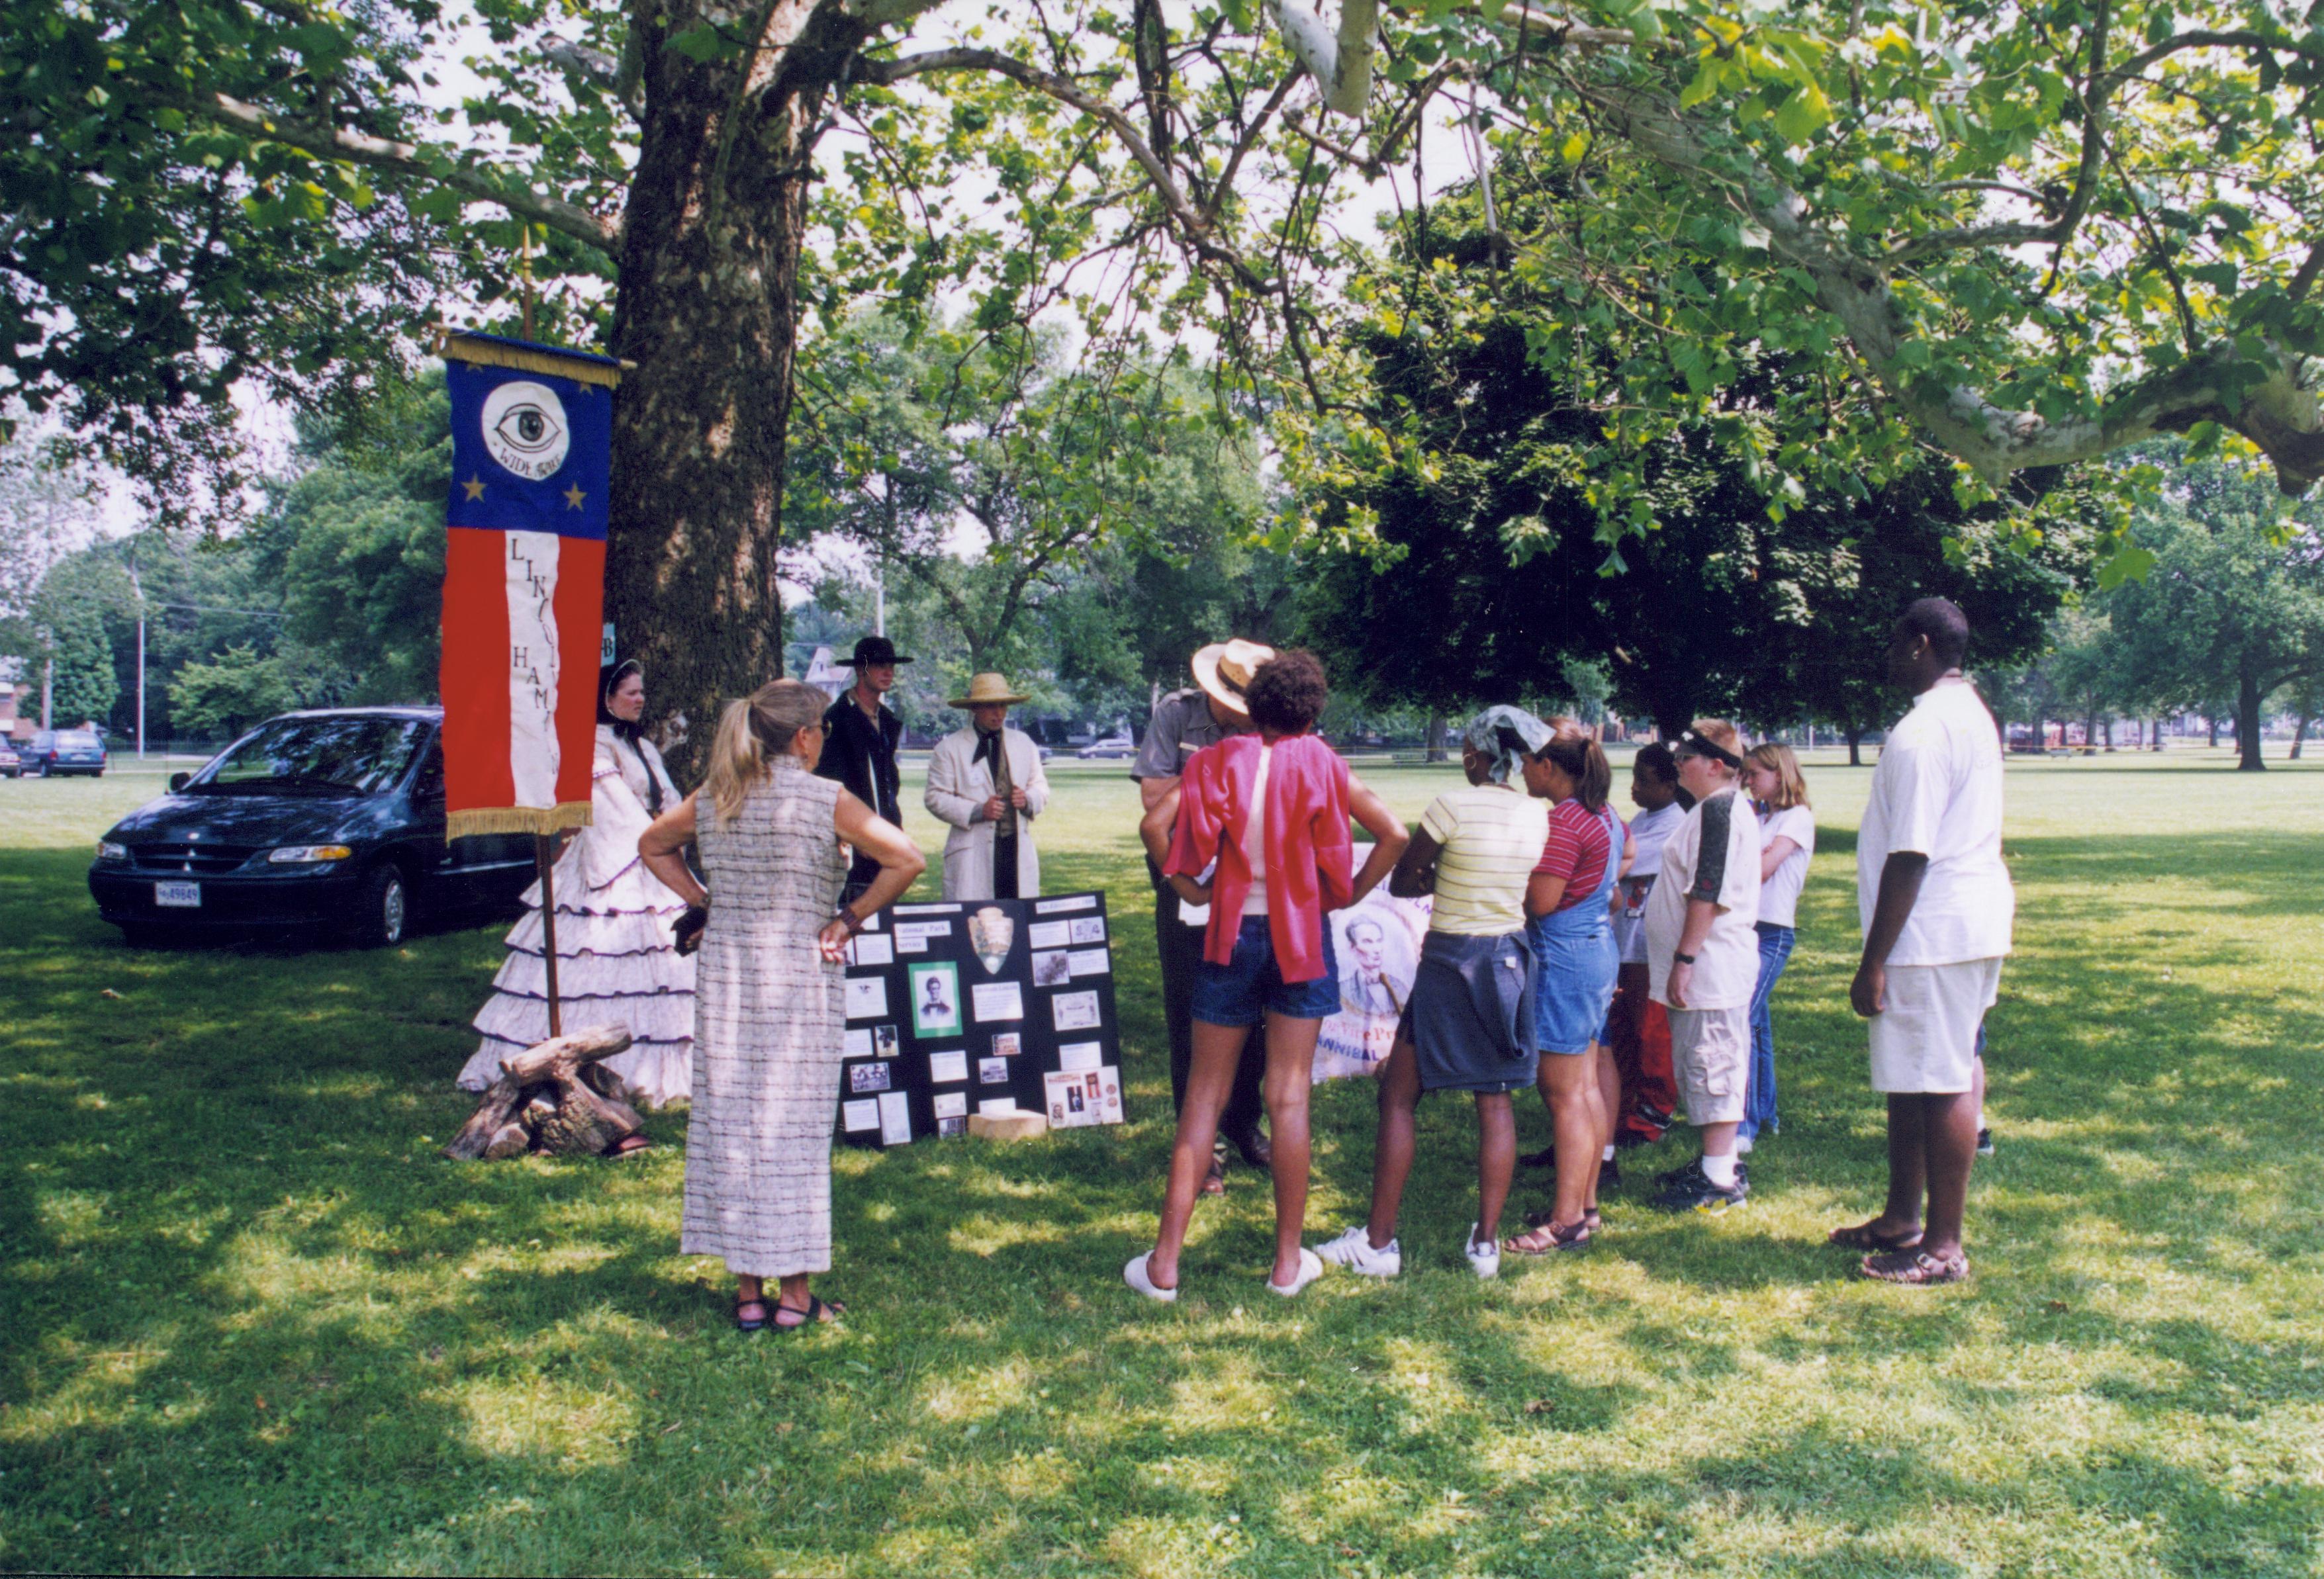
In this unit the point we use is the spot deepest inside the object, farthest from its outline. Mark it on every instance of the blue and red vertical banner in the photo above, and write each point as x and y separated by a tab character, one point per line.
524	581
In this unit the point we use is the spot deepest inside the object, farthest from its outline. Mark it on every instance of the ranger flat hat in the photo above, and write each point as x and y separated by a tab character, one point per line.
1224	669
875	650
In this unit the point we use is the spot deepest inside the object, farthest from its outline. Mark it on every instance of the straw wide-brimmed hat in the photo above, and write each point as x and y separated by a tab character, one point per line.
1224	669
989	691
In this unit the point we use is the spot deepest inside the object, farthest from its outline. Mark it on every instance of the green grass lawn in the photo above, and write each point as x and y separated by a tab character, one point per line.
250	1320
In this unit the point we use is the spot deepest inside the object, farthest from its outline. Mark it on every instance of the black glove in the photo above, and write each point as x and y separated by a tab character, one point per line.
689	928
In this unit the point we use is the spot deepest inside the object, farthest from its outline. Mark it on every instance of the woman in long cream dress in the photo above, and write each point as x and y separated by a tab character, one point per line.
770	1009
616	961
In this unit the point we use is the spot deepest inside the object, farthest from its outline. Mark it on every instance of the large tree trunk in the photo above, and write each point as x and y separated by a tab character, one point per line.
1856	745
2247	700
2214	723
2300	733
708	309
1433	743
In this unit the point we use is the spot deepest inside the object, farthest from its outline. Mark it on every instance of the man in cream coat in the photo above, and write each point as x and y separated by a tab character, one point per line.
986	781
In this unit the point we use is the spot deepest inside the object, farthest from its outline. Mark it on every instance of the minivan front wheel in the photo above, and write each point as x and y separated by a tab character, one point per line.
383	908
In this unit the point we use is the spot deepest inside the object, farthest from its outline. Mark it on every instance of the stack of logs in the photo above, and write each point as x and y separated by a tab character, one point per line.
552	1097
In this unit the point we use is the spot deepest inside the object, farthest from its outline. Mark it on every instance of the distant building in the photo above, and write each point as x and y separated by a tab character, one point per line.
20	702
827	674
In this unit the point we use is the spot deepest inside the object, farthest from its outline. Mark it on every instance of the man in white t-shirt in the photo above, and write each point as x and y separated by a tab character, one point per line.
1702	960
1936	904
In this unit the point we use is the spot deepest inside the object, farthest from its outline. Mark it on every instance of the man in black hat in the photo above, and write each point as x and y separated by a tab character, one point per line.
860	740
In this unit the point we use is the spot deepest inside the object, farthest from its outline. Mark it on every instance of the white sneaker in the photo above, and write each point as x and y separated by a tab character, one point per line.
1311	1267
1353	1250
1742	1145
1484	1259
1137	1276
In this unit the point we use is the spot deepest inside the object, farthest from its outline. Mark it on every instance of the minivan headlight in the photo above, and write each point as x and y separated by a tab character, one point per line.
106	850
310	852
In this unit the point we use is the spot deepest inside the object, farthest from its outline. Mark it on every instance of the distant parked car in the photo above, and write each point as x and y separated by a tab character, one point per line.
331	820
53	753
1112	746
12	766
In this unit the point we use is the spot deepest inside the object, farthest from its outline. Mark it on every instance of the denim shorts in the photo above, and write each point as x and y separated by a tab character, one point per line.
1245	990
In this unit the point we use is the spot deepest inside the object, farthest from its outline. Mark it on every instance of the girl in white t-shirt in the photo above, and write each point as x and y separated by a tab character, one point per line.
1771	776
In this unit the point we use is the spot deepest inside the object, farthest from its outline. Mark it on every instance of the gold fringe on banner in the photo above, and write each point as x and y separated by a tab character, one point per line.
460	347
517	818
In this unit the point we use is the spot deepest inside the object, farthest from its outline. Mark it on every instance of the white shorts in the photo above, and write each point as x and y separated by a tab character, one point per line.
1710	1055
1925	1040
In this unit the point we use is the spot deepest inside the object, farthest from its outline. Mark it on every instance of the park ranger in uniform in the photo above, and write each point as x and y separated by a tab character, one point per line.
1184	722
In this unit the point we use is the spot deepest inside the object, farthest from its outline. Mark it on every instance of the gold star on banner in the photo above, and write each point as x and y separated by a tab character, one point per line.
574	496
475	488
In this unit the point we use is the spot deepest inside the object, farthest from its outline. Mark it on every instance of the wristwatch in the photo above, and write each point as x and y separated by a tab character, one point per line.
1679	958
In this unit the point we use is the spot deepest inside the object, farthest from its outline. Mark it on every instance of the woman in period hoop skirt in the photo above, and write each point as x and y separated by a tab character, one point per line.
615	961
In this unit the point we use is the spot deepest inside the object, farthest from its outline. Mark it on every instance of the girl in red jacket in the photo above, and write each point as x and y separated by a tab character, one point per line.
1262	838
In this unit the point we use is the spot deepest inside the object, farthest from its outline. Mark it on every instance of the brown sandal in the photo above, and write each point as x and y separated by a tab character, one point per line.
1549	1240
816	1311
1914	1269
1865	1237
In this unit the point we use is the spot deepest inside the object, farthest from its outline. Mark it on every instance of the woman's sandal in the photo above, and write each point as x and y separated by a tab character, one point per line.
816	1311
1865	1237
1549	1240
1543	1219
1914	1269
750	1323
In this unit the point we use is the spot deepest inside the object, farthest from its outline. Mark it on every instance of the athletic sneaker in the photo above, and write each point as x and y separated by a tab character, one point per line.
1353	1250
1484	1259
1692	1191
1985	1142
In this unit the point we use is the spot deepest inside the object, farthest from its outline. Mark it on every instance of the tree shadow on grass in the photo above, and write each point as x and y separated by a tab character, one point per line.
264	1328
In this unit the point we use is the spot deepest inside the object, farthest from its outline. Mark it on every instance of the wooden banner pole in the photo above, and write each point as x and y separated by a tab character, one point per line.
542	843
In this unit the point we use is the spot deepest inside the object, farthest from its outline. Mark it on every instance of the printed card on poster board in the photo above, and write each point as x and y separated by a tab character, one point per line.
948	1068
1075	1011
1052	969
871	949
1091	962
867	997
1049	934
998	1000
895	1118
936	997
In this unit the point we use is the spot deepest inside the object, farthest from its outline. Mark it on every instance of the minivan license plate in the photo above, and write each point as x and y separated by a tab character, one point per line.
178	896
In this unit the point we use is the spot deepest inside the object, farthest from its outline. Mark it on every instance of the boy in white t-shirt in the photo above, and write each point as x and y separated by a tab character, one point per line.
1702	960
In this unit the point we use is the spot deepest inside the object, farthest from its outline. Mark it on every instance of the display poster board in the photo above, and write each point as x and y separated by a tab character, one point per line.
979	1005
1378	942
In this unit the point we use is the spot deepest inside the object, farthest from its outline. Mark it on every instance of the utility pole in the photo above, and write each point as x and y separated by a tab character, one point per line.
138	588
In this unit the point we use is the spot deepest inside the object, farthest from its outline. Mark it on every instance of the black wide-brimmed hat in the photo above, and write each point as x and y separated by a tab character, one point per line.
875	650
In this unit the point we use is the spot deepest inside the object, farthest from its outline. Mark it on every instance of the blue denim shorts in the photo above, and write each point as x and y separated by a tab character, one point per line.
1244	991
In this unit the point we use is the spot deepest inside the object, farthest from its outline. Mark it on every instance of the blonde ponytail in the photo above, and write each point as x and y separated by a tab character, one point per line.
752	732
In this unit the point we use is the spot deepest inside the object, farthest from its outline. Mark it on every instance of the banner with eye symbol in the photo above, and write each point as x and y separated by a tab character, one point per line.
524	573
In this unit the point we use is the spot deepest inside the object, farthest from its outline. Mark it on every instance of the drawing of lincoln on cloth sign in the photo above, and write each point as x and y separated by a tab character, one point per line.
524	573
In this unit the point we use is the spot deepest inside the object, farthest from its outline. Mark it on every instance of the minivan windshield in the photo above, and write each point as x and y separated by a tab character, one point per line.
349	754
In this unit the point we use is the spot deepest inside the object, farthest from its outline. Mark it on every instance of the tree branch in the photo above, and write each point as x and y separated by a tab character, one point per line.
2279	412
1194	226
1341	64
362	148
2096	116
2203	39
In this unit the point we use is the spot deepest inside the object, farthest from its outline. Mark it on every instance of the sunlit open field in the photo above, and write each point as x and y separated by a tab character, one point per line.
250	1321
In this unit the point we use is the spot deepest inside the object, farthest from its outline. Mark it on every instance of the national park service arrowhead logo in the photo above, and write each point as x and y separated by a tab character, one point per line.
990	933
